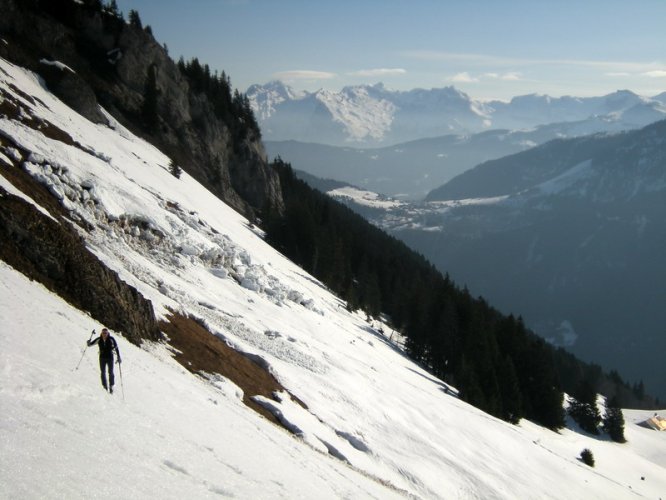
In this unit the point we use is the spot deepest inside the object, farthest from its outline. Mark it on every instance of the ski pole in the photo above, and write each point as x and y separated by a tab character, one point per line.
122	387
84	350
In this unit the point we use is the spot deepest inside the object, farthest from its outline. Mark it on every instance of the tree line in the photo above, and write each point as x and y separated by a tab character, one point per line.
232	107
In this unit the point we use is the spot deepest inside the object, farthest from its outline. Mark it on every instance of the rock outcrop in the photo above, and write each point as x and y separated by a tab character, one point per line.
110	61
71	89
54	255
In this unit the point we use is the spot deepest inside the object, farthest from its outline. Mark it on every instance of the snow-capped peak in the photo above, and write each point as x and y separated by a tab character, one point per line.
363	115
375	115
265	98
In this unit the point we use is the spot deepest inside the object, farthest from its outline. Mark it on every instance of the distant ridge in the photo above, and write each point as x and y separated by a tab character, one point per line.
373	115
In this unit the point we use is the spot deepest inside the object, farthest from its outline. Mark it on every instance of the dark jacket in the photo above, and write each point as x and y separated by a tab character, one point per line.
106	347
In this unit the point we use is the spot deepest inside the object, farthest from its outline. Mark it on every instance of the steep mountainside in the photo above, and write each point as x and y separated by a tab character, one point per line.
515	173
635	159
194	418
87	56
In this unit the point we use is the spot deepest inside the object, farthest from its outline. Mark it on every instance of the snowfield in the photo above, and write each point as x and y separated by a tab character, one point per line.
365	198
376	425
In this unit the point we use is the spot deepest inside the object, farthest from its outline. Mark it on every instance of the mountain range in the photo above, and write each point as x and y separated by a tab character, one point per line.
410	170
373	115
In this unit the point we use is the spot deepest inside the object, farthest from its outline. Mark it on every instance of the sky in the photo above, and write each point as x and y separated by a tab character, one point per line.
488	49
164	433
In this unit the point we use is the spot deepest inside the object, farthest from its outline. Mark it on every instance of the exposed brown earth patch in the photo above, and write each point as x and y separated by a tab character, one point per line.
203	352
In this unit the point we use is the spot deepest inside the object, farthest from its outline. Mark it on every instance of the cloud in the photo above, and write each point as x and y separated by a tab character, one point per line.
379	72
432	55
466	77
304	74
655	73
658	73
493	61
463	77
510	76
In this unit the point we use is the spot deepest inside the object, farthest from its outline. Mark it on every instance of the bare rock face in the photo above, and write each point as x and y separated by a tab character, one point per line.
110	62
73	90
54	255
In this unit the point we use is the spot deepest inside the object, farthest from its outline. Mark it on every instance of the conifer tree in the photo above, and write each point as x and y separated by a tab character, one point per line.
150	95
112	8
95	5
369	290
539	385
587	457
584	409
468	385
512	408
613	422
134	19
351	296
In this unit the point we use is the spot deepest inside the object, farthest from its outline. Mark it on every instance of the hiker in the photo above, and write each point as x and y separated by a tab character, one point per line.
106	346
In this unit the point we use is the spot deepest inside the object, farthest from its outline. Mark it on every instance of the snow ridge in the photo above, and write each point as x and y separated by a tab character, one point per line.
374	115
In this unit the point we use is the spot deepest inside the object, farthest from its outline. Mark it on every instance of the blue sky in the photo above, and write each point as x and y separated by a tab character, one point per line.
488	49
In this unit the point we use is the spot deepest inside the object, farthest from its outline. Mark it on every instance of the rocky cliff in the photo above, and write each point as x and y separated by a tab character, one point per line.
101	66
89	55
51	253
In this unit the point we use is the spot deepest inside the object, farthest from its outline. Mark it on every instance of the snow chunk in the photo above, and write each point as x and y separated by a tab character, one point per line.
220	272
187	249
251	283
57	64
5	160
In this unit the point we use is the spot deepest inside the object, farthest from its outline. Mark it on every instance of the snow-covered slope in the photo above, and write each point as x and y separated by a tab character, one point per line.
171	435
376	425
